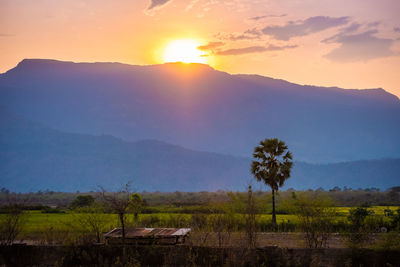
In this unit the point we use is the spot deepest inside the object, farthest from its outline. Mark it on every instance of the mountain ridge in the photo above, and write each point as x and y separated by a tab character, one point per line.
38	61
34	157
197	107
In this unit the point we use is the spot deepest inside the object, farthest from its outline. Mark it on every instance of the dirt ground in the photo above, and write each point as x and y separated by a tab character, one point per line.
239	239
282	240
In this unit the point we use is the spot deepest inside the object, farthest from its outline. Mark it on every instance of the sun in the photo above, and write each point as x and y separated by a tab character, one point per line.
185	51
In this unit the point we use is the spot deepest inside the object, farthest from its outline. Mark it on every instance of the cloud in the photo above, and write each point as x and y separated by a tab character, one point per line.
210	46
267	16
253	32
191	5
359	47
373	24
354	27
304	27
396	29
253	49
155	4
6	35
279	48
241	51
250	34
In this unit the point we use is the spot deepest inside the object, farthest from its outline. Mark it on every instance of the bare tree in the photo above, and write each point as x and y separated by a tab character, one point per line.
250	217
13	221
119	202
316	217
92	220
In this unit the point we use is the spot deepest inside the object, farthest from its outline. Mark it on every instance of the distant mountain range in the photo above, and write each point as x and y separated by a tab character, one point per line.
197	107
34	157
73	126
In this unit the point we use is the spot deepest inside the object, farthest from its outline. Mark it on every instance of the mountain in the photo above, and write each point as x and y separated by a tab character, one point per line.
34	157
195	106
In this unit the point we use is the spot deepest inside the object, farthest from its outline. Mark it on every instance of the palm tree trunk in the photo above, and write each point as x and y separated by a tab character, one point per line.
273	210
121	219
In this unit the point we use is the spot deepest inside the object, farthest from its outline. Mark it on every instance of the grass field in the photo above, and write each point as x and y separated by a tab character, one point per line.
38	222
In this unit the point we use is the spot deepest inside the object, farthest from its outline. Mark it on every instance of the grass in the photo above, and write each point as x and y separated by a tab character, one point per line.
378	210
39	223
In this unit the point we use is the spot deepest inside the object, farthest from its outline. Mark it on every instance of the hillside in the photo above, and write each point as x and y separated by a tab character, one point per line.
34	157
195	106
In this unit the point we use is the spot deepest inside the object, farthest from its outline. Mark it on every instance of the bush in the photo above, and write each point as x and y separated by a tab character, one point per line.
390	241
316	217
149	221
11	224
177	221
360	227
47	209
395	221
82	201
199	222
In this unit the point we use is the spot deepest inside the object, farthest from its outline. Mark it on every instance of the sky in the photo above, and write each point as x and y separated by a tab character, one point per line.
344	43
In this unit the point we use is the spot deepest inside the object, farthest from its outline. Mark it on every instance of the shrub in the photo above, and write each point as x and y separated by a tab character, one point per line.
82	201
360	227
47	209
316	216
11	224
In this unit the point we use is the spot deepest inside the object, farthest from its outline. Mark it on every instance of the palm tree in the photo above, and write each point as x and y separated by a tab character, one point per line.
272	165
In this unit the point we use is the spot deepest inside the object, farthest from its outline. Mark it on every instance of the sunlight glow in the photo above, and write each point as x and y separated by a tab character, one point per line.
184	51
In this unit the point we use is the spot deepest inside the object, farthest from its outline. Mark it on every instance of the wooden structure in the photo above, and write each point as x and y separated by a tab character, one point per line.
142	236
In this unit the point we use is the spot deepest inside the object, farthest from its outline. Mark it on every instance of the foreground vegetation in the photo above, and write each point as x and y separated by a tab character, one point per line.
39	221
221	213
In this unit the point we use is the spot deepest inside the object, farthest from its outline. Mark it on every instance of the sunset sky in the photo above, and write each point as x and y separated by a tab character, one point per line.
345	43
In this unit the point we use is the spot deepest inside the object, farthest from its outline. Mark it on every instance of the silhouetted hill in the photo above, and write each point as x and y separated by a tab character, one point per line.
33	157
195	106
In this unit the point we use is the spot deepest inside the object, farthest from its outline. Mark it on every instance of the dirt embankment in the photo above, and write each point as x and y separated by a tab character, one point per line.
185	255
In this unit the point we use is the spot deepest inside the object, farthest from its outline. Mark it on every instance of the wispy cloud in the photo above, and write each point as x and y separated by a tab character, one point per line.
249	34
304	27
157	3
6	35
191	5
253	49
154	5
359	46
373	24
241	51
210	46
279	48
354	27
267	16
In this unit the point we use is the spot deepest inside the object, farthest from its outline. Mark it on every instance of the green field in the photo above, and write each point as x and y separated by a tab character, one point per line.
38	223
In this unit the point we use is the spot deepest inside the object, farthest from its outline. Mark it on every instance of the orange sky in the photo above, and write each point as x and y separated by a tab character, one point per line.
350	44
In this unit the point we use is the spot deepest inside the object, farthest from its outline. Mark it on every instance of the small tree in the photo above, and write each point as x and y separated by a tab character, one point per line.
395	220
136	205
250	216
316	217
14	219
272	165
92	220
357	218
360	233
82	201
11	224
222	221
119	202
